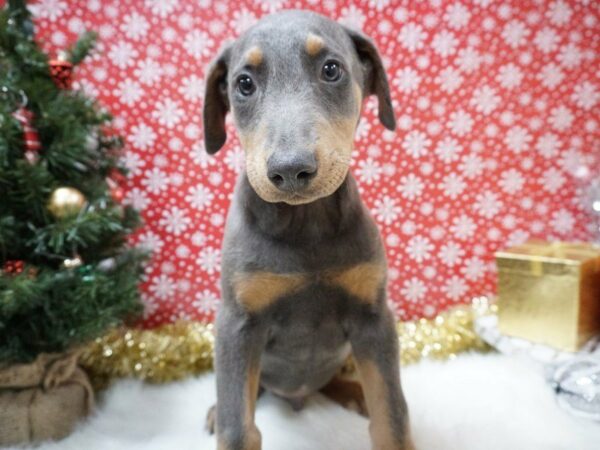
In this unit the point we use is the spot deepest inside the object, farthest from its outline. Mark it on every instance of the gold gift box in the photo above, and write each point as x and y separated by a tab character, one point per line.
549	293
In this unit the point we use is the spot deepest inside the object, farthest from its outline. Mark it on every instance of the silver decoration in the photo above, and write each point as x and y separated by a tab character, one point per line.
577	385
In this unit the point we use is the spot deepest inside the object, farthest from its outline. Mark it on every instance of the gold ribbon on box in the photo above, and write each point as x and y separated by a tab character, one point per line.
175	351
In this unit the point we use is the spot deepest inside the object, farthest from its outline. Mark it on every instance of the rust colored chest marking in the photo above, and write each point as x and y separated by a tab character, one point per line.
362	281
258	290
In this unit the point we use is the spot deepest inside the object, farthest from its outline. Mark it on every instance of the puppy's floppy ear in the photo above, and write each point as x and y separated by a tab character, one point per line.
216	103
375	79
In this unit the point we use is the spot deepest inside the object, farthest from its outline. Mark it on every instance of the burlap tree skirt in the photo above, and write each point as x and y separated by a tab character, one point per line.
44	399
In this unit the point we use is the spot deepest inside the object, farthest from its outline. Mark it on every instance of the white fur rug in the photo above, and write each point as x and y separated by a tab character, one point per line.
477	402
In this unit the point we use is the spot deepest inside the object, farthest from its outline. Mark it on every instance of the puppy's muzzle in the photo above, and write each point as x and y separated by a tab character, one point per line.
292	171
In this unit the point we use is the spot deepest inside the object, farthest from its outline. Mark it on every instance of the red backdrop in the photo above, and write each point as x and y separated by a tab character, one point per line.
497	105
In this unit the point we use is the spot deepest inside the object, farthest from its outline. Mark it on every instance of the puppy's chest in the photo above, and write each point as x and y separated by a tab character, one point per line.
259	289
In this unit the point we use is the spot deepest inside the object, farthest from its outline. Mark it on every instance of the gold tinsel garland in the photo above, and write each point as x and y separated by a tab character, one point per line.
174	351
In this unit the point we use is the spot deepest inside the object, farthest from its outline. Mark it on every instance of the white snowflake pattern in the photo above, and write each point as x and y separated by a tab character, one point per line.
168	113
148	71
155	180
552	180
135	26
209	260
142	136
137	198
455	288
451	254
460	122
517	139
161	8
548	145
419	248
562	221
559	12
546	40
150	241
416	144
457	15
49	9
585	95
198	43
472	166
199	197
473	269
515	33
550	76
369	171
411	186
128	92
352	17
487	204
162	287
485	100
448	150
511	181
414	289
469	59
192	88
242	20
122	54
452	185
570	56
412	36
449	79
509	76
444	43
386	209
561	118
174	220
206	302
407	79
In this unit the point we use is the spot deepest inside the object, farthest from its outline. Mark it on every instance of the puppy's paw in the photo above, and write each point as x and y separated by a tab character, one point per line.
211	419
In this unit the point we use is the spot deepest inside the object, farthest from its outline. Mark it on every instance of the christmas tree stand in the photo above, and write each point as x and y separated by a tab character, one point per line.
43	399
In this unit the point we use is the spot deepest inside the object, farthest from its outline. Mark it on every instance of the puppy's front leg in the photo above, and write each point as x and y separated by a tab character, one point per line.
375	349
240	341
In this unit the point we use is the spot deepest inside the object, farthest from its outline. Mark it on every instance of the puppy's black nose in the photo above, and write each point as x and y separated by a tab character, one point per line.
292	171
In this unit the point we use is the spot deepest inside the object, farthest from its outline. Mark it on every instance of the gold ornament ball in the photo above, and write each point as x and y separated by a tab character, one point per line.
65	202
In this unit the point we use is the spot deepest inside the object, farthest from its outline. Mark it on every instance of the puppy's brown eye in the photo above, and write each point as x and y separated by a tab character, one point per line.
331	71
246	85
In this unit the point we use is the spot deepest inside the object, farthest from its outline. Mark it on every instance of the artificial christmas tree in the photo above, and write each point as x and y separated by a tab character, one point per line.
60	225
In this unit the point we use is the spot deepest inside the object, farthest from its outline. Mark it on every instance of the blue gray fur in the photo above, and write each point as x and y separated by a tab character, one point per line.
316	255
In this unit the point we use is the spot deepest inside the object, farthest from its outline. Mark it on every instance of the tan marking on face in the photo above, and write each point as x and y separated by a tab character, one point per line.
257	290
254	56
255	149
333	149
376	395
362	281
314	44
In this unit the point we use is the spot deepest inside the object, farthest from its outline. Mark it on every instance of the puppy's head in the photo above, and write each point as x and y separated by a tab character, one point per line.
294	83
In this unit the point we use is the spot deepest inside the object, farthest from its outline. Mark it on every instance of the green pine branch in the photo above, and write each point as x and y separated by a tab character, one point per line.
47	307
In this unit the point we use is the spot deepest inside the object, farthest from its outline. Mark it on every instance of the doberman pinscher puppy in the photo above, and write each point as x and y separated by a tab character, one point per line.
304	269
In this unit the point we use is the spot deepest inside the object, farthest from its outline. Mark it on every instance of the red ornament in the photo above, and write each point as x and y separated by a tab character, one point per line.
61	71
114	180
14	267
30	134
